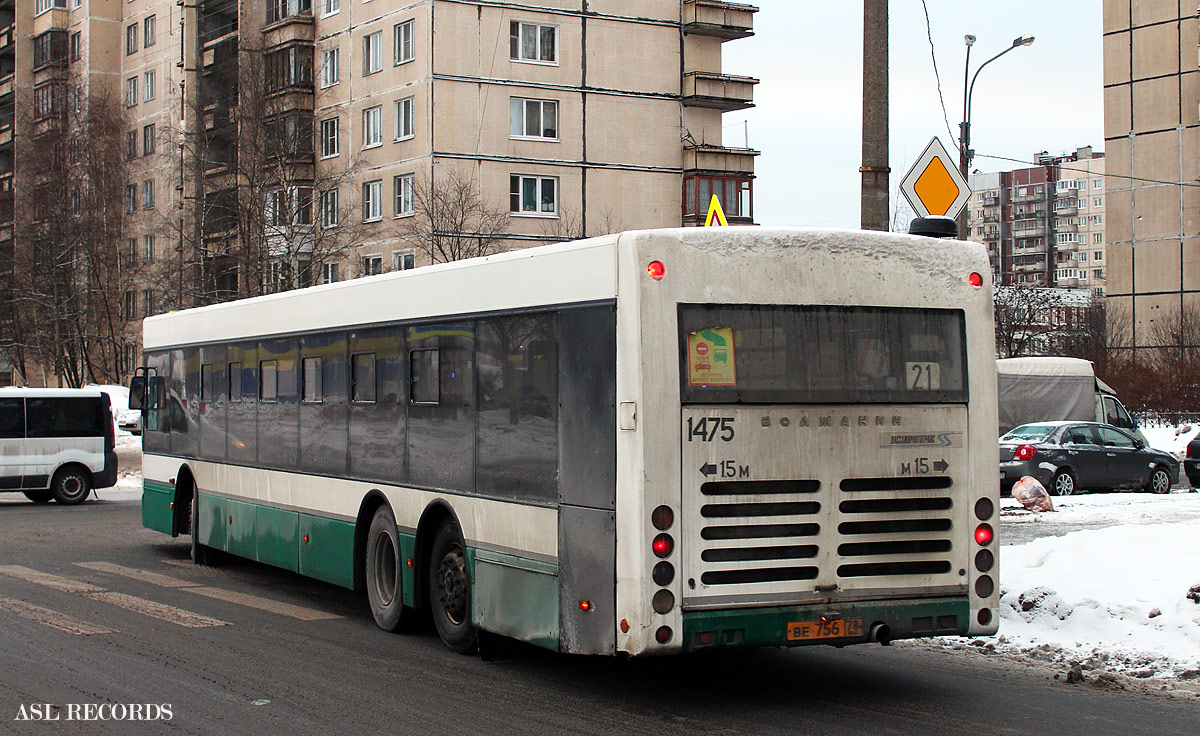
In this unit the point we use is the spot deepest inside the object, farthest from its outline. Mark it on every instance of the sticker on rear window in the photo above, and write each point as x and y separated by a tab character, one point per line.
710	357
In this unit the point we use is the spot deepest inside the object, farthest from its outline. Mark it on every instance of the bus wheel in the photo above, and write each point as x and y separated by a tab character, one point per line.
70	486
383	574
450	589
201	555
39	496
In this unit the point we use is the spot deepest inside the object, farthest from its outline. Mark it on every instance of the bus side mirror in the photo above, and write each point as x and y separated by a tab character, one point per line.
137	392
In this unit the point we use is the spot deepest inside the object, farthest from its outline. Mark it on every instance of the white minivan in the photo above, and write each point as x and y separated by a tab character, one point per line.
56	443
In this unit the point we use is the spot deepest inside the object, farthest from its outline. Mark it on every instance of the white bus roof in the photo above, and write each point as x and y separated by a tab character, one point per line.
42	393
1045	366
578	272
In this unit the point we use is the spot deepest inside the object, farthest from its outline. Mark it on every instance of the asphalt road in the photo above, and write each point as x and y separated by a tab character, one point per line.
95	609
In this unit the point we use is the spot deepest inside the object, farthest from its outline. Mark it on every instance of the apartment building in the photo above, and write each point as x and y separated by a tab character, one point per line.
1152	134
275	143
1044	225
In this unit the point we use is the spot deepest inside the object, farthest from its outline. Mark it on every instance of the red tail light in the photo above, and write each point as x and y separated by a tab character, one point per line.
1025	452
1189	451
984	534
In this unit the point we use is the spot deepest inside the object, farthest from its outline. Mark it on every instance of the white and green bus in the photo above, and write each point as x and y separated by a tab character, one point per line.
645	443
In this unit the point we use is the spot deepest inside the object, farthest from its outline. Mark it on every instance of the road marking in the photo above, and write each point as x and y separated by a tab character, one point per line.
53	619
66	585
165	581
180	563
265	604
170	614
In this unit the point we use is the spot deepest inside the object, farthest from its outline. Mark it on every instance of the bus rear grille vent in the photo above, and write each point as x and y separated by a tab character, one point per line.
755	531
902	483
909	539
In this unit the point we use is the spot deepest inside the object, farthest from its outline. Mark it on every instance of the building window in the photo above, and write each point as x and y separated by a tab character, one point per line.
131	34
372	265
329	209
404	119
735	195
148	142
1097	183
533	195
329	67
148	32
329	137
372	196
147	302
329	273
76	39
131	91
1098	273
1097	238
533	118
290	67
329	7
403	186
149	84
42	6
403	260
289	206
280	9
373	52
1096	202
130	198
148	248
130	251
50	48
1096	219
148	194
130	305
533	42
404	42
373	127
131	146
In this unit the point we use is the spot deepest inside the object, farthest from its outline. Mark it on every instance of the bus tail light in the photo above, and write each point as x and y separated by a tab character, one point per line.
663	635
663	602
656	270
983	534
1025	452
975	280
663	545
662	518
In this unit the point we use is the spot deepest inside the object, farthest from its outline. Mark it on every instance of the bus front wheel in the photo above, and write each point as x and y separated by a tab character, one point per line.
450	589
383	573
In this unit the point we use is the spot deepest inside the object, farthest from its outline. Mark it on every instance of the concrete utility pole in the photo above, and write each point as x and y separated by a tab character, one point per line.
875	167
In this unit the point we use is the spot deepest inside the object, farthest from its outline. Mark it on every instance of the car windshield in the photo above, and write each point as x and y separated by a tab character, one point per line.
1032	432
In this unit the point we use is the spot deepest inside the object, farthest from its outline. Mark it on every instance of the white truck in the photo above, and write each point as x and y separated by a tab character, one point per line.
1044	389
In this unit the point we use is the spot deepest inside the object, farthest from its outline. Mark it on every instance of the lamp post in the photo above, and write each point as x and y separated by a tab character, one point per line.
964	128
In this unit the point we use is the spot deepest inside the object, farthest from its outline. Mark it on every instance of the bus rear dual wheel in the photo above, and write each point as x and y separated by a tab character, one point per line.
449	583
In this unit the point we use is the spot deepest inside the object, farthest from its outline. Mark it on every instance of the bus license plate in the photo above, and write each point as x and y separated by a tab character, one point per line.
833	628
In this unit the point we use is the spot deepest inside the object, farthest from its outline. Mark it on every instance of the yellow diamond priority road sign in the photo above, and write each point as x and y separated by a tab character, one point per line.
933	185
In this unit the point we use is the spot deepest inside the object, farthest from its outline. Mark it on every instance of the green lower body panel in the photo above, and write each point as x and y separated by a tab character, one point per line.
157	511
771	626
275	537
327	550
514	596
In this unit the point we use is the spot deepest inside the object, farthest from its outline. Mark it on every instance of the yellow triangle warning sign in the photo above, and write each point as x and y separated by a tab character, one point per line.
716	215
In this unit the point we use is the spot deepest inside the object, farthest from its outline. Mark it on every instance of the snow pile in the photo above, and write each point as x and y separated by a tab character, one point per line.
1121	598
1171	439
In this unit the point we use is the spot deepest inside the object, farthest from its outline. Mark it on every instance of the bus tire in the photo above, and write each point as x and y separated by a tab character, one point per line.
450	589
71	485
40	496
383	572
199	552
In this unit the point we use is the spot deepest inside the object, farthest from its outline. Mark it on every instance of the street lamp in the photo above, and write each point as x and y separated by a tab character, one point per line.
964	140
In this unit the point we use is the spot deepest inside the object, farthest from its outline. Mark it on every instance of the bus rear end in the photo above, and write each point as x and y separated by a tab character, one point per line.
805	448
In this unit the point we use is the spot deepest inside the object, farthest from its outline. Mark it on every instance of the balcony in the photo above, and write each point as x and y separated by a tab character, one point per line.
718	161
1065	227
722	92
1070	247
1066	211
56	19
991	218
1028	268
726	21
6	85
6	38
990	200
1029	198
1030	232
736	194
1070	283
991	235
1030	215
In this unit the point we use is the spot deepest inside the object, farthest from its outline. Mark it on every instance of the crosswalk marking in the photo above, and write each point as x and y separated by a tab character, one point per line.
165	581
160	611
53	619
66	585
264	604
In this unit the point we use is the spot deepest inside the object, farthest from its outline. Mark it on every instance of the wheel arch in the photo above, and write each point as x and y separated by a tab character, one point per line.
72	465
362	527
181	505
432	517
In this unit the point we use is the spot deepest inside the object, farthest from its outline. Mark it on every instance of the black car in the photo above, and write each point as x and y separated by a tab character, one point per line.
1191	463
1067	456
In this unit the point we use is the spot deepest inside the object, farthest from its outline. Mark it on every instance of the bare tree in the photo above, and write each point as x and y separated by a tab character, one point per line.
68	241
450	219
1022	316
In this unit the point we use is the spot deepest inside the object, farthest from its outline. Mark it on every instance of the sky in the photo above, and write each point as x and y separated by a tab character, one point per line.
807	121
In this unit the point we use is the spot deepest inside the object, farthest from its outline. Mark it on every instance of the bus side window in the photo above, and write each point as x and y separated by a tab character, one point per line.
426	377
154	387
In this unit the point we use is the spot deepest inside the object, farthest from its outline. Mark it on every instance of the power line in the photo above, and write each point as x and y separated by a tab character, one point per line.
1063	167
938	77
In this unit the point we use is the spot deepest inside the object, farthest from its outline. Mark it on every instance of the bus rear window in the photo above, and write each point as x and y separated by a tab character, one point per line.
821	354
